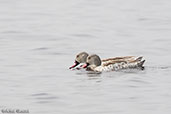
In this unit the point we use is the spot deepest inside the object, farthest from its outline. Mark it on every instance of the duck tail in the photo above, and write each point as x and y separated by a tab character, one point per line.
140	64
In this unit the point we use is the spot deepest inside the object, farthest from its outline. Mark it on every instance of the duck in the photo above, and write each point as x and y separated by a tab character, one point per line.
82	58
94	63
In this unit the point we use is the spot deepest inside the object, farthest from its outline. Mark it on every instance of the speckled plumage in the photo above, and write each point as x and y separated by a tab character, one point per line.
117	63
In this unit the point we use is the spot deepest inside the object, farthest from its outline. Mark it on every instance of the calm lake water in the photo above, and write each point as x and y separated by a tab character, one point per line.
40	38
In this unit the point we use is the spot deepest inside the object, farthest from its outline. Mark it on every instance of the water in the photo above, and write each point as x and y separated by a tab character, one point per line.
40	38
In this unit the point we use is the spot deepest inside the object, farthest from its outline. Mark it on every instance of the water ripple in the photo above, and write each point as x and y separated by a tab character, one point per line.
82	35
40	49
43	97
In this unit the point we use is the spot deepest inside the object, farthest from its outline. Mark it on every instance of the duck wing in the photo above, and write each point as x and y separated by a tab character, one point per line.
126	62
118	58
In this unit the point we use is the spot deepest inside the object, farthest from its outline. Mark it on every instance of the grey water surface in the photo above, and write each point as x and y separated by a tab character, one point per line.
40	38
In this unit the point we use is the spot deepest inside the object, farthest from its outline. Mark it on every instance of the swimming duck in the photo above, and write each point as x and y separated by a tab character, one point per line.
94	63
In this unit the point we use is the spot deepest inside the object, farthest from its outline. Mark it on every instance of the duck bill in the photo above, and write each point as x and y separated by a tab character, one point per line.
85	65
75	64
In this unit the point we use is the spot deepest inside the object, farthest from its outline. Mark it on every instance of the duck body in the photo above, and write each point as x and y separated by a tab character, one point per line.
114	64
115	67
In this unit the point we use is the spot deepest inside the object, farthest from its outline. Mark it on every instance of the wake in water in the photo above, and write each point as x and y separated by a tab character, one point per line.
158	67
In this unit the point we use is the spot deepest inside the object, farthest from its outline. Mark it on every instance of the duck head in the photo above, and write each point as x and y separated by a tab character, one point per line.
80	58
92	61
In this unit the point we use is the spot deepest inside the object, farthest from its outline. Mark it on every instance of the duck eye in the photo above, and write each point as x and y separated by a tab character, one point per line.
77	56
89	58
